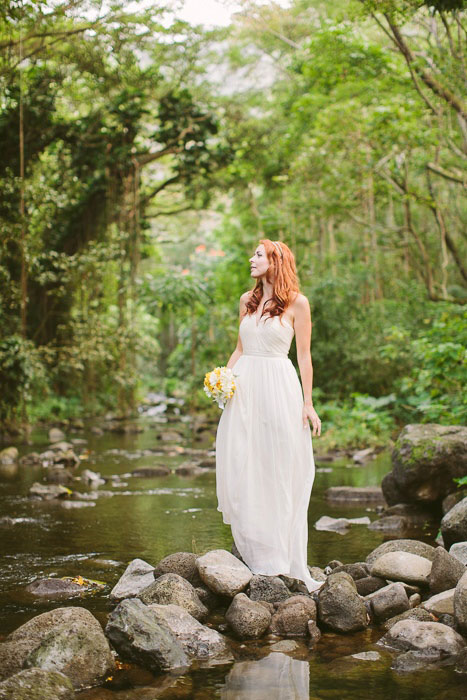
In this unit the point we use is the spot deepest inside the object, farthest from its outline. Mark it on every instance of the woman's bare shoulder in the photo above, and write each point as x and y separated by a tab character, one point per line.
300	302
246	296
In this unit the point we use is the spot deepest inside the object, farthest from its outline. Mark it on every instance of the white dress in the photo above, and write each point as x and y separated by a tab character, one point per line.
264	456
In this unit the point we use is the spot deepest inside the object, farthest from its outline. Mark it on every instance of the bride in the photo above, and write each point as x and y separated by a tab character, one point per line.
264	456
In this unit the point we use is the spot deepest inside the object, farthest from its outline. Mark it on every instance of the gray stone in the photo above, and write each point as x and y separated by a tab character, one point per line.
339	524
292	616
445	572
314	632
137	634
389	601
150	472
181	563
54	588
461	661
317	573
415	599
367	656
419	614
247	618
411	661
430	637
269	588
37	684
460	604
355	494
358	570
459	551
48	492
369	584
55	435
339	605
207	597
454	524
137	576
402	566
58	475
223	573
285	646
404	545
8	455
440	604
172	588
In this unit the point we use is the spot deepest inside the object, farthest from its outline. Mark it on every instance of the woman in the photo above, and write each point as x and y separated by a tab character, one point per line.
264	456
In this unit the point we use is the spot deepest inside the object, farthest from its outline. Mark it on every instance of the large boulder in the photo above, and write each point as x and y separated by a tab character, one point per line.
425	460
405	545
248	619
402	566
428	637
269	588
137	576
419	614
36	684
137	634
460	604
339	606
292	617
181	563
223	573
441	603
445	572
172	588
454	524
69	640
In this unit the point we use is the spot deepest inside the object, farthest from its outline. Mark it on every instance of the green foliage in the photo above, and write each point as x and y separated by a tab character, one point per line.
22	377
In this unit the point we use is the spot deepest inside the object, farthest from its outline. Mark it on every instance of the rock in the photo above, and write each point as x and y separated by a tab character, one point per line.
440	604
48	493
461	661
181	563
391	523
61	446
247	618
419	614
150	472
223	573
331	565
207	597
339	524
454	524
8	455
54	588
388	602
452	499
92	478
425	460
445	572
269	588
58	475
172	588
363	456
285	646
459	551
170	436
412	661
189	469
317	573
402	566
355	494
197	640
137	576
314	632
55	435
36	684
430	637
369	584
69	640
404	545
358	570
236	553
339	605
137	634
292	616
460	604
415	599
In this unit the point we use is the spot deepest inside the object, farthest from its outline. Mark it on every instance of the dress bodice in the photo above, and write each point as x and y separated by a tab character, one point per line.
270	337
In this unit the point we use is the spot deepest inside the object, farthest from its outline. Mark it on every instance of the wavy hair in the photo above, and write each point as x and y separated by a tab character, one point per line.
282	274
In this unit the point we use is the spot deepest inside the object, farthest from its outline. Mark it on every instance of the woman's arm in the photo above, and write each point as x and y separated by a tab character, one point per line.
239	349
302	323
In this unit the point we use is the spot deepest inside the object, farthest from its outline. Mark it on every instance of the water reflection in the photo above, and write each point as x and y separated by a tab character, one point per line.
276	677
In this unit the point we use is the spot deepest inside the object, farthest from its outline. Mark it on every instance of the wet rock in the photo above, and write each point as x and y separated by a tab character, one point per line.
430	637
459	551
181	563
314	633
91	478
247	618
8	455
69	640
170	436
61	446
402	545
150	472
189	469
37	684
58	475
355	494
461	661
55	435
369	584
137	634
363	456
440	604
412	661
137	576
54	588
454	524
48	492
339	605
223	573
31	458
389	601
339	524
269	588
172	588
389	523
358	570
402	566
286	646
460	604
292	616
419	614
197	640
445	572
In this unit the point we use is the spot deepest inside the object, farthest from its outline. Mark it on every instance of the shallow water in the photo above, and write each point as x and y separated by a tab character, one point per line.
149	518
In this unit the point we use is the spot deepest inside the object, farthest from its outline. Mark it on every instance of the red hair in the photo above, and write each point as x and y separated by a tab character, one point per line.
283	277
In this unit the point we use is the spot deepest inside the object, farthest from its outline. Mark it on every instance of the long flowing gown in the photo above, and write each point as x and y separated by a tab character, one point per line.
264	456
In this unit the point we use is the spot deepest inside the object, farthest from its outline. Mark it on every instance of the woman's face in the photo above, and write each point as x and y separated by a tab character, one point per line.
259	263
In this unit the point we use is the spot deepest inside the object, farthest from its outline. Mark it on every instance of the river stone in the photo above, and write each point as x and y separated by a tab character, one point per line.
207	597
402	566
8	455
412	660
138	635
419	614
172	588
425	460
404	545
317	573
55	435
440	604
454	524
286	646
339	605
223	573
389	601
197	640
36	684
69	640
181	563
428	637
460	604
369	584
459	551
461	662
445	572
357	570
137	576
47	492
292	616
247	618
355	494
269	588
150	472
54	588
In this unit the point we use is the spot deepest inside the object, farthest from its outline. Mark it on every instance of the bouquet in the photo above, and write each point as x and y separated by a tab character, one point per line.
219	384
